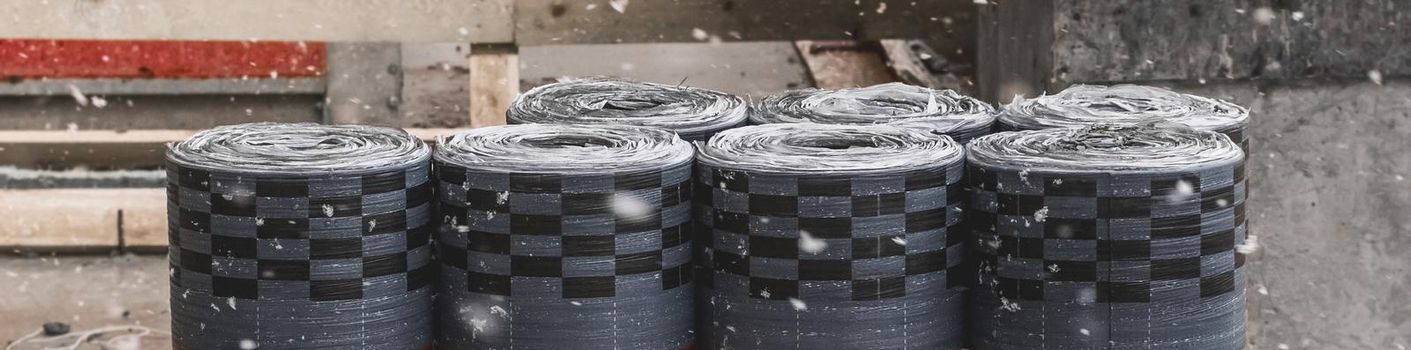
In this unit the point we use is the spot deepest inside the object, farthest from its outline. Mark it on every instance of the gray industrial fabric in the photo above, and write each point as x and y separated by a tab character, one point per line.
943	111
1107	237
693	113
300	236
824	236
564	237
1083	105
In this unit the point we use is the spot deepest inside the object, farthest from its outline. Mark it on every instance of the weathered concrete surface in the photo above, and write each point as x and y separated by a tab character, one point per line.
85	292
1331	204
1190	39
1028	46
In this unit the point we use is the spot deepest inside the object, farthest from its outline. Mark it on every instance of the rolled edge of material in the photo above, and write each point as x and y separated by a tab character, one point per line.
942	111
693	113
564	149
298	149
1082	105
828	149
1106	148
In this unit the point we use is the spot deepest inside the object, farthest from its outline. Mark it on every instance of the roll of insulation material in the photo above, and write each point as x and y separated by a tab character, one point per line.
564	237
300	236
693	113
942	111
822	236
1084	105
1108	236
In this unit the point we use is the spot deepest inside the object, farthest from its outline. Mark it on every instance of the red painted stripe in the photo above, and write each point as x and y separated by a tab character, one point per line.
27	59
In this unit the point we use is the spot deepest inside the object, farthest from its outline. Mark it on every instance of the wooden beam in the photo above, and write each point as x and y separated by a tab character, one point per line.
314	20
838	64
494	83
83	220
105	149
907	66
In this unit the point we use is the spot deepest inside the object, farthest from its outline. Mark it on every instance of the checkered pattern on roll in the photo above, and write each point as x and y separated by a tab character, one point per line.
884	235
320	238
1092	226
516	234
1131	260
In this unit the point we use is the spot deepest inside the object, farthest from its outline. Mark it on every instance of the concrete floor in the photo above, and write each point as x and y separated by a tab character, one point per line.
86	293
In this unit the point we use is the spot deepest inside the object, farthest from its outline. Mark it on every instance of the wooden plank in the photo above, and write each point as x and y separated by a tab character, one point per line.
83	220
105	149
494	83
316	20
541	22
839	64
907	66
1035	45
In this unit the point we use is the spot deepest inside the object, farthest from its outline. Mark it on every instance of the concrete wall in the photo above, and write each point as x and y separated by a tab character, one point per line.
1331	204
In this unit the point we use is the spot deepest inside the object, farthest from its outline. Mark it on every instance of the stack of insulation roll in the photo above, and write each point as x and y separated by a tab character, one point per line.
1108	236
693	113
942	111
564	237
829	236
300	236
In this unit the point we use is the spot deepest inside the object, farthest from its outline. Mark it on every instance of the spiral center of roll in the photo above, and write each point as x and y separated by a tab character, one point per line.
837	143
630	104
568	141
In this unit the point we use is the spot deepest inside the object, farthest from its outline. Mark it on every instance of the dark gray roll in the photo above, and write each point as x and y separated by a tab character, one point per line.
565	237
943	111
829	237
1113	237
1083	105
693	113
300	236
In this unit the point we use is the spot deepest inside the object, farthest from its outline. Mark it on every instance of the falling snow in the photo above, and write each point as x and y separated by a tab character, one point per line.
798	304
618	5
247	344
699	34
628	206
810	244
83	100
1041	214
1375	76
1250	245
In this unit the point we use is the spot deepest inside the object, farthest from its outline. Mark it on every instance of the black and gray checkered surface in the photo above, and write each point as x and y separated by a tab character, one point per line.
817	258
582	259
1136	258
943	111
329	259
